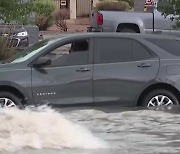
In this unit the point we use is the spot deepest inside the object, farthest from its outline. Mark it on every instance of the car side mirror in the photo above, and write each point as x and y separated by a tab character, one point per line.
42	61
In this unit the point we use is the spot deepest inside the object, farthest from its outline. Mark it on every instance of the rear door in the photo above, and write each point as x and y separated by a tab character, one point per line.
122	67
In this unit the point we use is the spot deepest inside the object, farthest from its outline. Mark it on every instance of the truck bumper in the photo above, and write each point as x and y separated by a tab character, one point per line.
92	29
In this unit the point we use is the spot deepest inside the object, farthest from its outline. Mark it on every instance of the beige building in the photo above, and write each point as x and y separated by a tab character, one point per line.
80	8
77	8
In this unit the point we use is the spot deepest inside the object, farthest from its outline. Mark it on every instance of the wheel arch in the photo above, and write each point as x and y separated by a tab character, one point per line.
150	88
132	26
17	90
12	90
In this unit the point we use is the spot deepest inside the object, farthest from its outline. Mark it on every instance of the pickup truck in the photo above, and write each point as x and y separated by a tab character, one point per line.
132	22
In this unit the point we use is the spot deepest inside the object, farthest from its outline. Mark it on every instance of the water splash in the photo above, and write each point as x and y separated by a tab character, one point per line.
42	128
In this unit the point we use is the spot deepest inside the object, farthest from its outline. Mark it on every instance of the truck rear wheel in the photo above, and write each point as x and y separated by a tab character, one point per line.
126	30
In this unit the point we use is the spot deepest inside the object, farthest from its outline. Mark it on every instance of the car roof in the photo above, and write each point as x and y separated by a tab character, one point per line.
128	35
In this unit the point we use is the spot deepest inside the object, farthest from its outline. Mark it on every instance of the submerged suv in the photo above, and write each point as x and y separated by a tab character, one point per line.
94	69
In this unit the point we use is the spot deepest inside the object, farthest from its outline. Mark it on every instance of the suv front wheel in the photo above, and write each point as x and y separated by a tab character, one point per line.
8	100
159	97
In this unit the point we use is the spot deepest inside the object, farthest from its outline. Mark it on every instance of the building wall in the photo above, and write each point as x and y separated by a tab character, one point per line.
73	9
83	7
78	7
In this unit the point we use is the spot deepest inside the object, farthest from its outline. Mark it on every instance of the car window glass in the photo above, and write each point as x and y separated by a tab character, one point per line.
171	46
113	50
73	53
140	52
29	52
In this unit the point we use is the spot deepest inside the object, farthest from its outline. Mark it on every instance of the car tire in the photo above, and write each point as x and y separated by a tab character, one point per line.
7	99
127	30
159	97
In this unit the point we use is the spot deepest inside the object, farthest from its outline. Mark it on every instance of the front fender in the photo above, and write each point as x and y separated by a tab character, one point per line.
26	92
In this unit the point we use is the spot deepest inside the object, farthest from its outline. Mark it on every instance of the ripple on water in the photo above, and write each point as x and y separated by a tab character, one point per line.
143	131
125	132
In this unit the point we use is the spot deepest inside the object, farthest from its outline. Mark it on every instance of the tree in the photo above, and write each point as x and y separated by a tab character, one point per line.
43	7
130	2
19	11
171	7
44	13
109	5
15	10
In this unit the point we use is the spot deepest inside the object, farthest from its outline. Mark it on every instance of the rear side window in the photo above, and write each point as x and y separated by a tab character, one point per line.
171	46
140	52
112	50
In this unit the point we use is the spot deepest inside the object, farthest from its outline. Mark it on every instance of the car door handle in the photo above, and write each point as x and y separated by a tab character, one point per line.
145	65
83	70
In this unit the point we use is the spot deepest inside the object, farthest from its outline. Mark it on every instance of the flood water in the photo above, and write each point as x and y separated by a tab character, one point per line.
45	131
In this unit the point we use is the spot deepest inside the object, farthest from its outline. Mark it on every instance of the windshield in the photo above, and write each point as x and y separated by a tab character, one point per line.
29	52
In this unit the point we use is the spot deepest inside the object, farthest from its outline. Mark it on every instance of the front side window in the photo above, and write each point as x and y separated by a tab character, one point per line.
72	53
112	50
30	52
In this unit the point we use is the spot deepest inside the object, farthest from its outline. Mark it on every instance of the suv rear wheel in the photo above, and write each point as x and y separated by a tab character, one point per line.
159	97
8	100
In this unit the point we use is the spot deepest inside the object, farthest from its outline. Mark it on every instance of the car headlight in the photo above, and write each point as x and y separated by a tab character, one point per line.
22	34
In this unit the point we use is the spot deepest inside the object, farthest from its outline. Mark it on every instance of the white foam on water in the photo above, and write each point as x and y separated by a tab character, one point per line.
43	128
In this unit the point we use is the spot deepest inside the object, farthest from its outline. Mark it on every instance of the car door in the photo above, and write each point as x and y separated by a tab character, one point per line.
68	80
122	67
